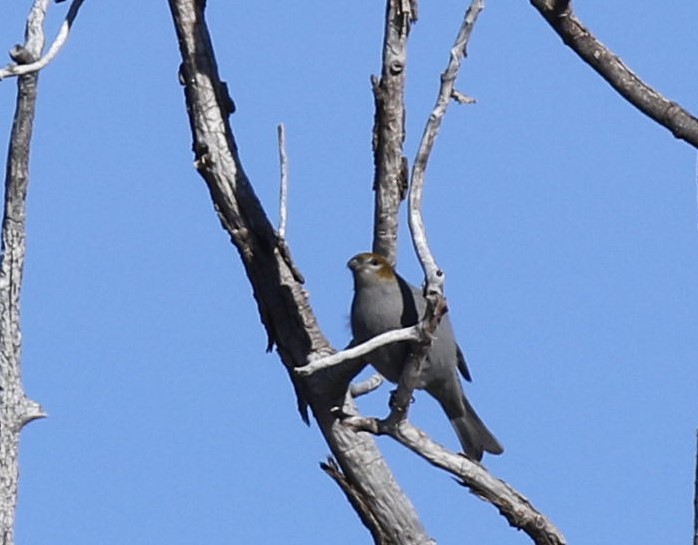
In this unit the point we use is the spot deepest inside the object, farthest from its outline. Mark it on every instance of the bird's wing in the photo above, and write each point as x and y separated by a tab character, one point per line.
413	304
462	365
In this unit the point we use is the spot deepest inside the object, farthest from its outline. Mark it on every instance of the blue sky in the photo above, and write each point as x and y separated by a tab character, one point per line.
566	222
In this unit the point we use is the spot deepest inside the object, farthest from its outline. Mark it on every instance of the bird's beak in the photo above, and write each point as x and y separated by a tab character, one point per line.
352	263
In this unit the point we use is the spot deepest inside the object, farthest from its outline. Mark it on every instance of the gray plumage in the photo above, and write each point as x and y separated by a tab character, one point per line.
384	301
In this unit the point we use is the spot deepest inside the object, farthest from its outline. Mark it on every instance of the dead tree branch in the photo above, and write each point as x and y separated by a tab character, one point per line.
411	333
282	302
434	276
16	409
283	180
511	504
561	17
286	313
390	178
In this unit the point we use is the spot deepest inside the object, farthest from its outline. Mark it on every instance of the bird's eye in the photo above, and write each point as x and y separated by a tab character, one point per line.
374	262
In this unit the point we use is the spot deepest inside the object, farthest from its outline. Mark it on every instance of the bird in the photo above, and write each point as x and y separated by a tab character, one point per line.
383	301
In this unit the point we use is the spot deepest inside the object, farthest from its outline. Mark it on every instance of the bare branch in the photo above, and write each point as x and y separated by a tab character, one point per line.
283	205
436	305
411	333
390	177
56	46
433	275
511	504
561	17
16	410
283	191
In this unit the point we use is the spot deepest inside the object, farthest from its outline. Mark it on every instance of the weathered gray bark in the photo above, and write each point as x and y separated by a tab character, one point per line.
561	17
391	170
511	504
16	409
282	301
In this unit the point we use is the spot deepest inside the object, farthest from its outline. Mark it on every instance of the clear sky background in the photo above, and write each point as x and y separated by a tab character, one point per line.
565	220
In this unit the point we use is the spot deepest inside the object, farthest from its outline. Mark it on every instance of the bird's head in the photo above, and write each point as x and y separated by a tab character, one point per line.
369	269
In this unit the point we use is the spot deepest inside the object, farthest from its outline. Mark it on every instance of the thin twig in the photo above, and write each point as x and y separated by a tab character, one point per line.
434	276
561	17
411	333
436	305
283	191
58	43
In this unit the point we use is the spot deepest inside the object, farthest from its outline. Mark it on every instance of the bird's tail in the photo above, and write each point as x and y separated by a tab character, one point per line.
472	433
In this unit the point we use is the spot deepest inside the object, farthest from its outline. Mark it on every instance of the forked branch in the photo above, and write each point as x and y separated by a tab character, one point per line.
513	506
434	276
39	63
282	302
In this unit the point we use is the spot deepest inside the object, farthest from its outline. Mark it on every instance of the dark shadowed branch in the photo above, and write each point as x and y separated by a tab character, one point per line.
561	17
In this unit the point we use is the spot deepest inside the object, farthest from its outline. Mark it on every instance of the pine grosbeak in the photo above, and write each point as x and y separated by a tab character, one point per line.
384	301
